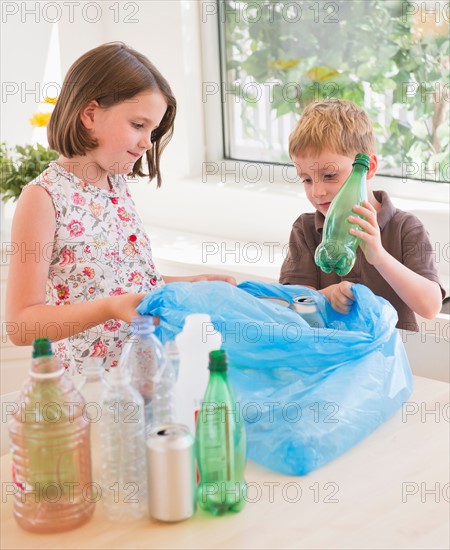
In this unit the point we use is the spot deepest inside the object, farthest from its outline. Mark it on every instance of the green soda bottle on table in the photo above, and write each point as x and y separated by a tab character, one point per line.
220	443
337	251
49	437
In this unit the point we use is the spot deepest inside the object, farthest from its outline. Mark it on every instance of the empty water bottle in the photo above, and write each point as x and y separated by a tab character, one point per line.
165	379
337	251
144	356
122	447
220	443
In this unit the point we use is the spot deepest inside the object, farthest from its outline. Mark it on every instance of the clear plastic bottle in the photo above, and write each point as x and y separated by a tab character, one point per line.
50	449
220	444
164	398
91	388
144	356
123	472
337	251
194	342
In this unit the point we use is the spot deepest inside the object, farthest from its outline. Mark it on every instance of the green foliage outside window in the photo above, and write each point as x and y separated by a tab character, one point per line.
361	50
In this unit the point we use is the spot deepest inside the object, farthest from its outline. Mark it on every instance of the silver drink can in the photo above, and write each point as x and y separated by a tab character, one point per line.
306	307
275	300
171	473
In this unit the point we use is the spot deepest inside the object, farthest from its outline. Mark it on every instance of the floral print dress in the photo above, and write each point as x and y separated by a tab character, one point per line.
100	249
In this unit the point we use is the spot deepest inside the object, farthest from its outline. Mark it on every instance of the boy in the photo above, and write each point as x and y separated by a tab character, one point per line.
394	258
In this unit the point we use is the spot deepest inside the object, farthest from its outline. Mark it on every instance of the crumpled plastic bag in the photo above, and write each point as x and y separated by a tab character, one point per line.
307	394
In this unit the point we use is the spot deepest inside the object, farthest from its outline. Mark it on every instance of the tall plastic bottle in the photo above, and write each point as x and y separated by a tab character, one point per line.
337	251
145	358
194	342
164	398
220	444
49	438
91	388
122	447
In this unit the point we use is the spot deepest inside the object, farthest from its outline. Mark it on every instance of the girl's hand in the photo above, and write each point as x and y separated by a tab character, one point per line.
195	278
369	233
214	277
124	306
340	296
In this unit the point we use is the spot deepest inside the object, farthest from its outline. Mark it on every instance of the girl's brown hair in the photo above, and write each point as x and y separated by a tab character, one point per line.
335	124
109	74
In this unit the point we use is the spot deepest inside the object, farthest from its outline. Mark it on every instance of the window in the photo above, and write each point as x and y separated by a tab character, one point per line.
389	56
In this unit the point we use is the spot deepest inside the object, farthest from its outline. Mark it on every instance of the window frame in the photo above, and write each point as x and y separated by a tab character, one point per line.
237	171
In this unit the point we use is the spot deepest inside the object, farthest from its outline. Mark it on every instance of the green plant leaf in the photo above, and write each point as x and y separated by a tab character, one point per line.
20	166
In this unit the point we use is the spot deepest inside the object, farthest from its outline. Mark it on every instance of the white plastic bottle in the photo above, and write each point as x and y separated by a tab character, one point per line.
194	342
123	473
173	356
91	388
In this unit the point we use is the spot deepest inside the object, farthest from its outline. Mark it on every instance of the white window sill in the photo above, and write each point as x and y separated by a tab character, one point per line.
183	253
219	226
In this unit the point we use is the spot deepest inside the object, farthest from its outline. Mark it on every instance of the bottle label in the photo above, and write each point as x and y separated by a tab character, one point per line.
21	484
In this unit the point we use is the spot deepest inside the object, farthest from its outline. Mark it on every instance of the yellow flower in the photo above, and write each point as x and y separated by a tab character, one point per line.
40	119
50	100
321	73
284	64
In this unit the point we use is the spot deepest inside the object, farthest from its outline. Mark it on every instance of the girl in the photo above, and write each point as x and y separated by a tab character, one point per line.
86	261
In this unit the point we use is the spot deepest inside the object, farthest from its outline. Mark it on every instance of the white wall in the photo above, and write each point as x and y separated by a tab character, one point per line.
166	32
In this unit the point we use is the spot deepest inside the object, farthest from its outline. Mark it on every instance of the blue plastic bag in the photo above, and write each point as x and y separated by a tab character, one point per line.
306	394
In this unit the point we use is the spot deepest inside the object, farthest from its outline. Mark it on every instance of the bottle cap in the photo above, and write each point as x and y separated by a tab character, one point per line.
218	361
44	364
362	158
41	347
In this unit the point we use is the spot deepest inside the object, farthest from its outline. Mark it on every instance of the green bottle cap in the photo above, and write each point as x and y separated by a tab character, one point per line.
218	360
41	347
362	158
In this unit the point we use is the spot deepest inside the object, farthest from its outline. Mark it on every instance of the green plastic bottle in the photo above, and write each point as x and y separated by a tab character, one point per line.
337	251
220	443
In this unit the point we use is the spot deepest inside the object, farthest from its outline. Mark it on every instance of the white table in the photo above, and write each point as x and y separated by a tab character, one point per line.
376	492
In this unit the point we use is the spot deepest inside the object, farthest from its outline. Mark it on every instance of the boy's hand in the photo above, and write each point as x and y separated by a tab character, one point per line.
340	296
370	232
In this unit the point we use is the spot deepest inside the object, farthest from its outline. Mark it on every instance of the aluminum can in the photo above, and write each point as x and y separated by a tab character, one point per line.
306	307
275	300
171	473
